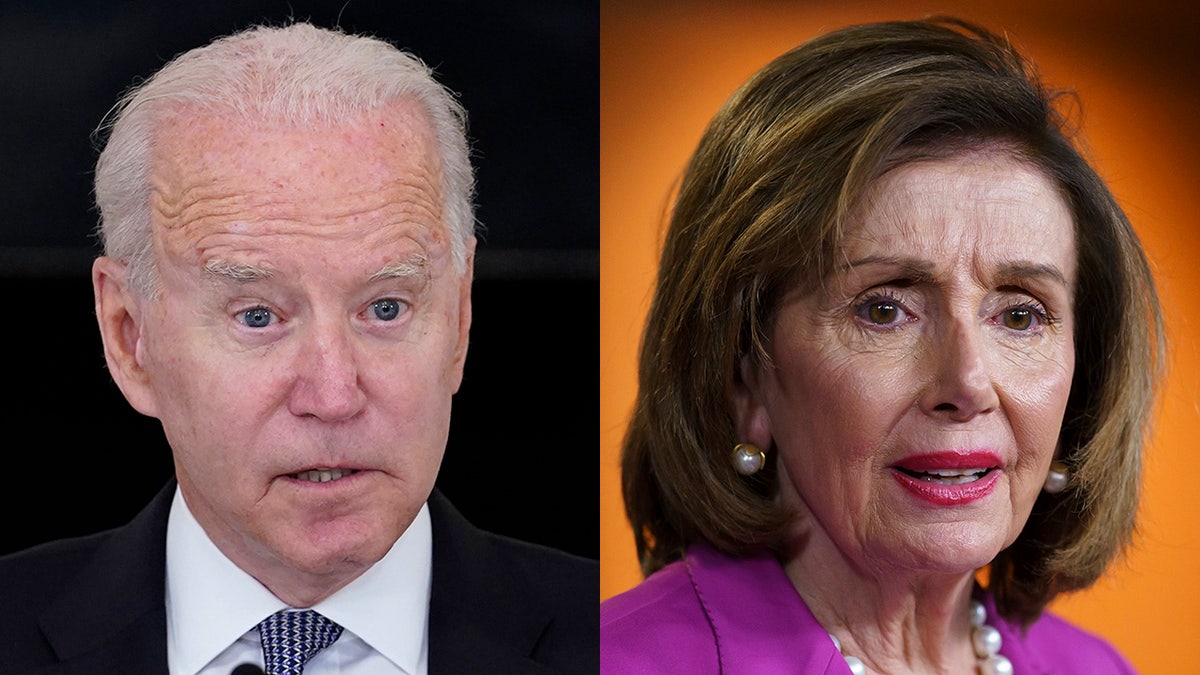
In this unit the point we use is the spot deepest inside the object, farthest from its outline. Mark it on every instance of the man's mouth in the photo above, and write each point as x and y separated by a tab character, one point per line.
320	475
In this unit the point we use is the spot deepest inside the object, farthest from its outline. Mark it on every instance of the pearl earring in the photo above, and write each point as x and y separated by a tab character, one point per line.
1057	477
748	459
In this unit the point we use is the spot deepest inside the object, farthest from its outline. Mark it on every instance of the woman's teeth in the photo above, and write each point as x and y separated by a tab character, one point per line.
950	476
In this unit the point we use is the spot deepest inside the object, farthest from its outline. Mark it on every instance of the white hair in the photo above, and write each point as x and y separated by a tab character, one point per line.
293	75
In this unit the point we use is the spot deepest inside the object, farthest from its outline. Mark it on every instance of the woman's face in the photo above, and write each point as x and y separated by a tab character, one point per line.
914	398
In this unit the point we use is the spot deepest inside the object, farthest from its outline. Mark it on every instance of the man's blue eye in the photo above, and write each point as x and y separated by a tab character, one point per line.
386	310
259	317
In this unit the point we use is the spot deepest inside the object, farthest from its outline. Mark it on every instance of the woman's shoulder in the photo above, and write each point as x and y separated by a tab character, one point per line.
714	613
1065	647
667	591
657	626
1051	644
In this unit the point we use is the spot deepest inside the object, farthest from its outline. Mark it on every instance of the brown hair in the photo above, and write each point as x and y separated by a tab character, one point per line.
762	204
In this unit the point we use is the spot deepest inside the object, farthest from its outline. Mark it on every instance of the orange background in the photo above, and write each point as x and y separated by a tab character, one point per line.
667	66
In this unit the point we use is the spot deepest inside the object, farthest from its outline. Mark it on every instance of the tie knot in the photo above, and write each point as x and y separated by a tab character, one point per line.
290	639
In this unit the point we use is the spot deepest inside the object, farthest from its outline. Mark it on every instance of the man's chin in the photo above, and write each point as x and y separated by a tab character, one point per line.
335	547
308	569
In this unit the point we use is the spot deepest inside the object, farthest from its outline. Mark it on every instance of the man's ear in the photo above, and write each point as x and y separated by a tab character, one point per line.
119	313
753	424
464	315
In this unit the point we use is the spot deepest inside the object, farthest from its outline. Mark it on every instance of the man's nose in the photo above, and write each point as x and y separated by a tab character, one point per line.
327	381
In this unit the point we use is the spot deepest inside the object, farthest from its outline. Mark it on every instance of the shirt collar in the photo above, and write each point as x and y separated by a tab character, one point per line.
388	605
211	602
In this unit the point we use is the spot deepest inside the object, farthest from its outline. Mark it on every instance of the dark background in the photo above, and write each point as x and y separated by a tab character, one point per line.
519	460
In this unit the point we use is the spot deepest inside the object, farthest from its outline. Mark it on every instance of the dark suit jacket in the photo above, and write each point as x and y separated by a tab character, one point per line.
95	605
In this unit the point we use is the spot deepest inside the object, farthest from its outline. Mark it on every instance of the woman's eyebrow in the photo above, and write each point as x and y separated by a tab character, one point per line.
912	269
919	270
1020	270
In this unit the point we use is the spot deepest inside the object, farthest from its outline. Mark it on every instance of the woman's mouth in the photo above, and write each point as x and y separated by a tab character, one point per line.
949	478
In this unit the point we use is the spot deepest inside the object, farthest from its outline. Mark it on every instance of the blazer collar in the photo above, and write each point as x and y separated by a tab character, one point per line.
483	614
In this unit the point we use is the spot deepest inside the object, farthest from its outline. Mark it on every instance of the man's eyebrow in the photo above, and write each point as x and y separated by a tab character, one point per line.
415	265
236	271
411	267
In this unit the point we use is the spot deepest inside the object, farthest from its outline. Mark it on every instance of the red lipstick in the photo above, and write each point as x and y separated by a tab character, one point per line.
949	478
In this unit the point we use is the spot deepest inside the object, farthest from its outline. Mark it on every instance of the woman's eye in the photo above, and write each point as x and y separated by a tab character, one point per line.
387	309
257	317
1020	318
882	312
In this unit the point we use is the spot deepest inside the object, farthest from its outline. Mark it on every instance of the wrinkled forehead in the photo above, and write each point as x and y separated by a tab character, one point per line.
974	202
193	145
216	174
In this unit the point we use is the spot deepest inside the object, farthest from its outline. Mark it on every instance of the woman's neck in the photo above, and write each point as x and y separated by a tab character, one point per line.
891	618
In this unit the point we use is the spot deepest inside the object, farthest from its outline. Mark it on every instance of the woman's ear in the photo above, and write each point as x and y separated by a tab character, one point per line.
749	405
119	313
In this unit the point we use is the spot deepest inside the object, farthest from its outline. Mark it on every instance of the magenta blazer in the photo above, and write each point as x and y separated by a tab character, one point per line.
710	613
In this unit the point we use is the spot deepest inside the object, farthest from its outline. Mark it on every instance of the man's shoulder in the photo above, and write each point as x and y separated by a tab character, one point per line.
542	565
32	580
42	570
548	568
495	597
559	578
98	598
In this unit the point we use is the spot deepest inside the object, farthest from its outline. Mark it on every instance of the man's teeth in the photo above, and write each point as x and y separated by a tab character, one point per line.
951	476
322	475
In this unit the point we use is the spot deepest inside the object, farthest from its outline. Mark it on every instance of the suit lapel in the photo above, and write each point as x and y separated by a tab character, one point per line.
483	617
112	617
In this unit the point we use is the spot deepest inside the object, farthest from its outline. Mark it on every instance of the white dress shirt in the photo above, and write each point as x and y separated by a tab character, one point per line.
213	607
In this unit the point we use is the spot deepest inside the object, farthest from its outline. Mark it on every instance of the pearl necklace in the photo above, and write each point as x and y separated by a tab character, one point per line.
984	638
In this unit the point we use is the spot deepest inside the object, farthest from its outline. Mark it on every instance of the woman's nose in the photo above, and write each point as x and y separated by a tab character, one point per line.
327	383
961	385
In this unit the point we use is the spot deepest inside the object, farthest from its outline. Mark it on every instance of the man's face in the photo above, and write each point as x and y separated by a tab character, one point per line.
310	332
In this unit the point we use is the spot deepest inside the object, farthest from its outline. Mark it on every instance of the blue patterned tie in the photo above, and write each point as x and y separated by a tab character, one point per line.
289	639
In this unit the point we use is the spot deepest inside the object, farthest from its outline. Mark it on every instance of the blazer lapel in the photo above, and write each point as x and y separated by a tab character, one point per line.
483	617
112	617
763	623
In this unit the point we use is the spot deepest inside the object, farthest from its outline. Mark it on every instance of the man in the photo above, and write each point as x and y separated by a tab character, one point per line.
289	242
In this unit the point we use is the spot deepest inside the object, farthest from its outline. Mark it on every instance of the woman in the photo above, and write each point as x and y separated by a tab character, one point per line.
895	377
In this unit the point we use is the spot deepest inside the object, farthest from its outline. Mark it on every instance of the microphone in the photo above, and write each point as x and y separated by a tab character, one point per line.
247	669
